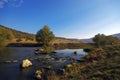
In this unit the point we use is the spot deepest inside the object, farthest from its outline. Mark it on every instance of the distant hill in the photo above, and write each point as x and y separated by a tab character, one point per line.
66	40
116	35
89	40
30	38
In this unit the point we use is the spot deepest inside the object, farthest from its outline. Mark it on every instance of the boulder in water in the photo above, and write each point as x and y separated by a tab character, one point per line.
26	63
39	51
15	61
38	74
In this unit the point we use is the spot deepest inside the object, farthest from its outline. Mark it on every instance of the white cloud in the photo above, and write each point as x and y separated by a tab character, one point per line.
15	3
2	2
11	3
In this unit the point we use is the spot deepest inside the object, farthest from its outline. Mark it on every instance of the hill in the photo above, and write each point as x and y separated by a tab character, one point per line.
23	37
19	35
116	35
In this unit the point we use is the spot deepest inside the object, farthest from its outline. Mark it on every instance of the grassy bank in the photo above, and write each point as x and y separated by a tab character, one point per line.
100	64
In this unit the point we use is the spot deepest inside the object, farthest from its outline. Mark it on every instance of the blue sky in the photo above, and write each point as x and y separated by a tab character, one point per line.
66	18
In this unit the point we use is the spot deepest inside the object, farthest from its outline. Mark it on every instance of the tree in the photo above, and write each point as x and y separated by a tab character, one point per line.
5	36
102	40
19	40
99	39
112	40
45	36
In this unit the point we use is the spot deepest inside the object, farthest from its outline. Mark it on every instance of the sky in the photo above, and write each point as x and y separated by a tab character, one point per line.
66	18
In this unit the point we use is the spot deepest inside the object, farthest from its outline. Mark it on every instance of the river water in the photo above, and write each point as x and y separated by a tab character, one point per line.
11	58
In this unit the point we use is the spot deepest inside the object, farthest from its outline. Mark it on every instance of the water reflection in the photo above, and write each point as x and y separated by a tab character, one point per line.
5	52
71	53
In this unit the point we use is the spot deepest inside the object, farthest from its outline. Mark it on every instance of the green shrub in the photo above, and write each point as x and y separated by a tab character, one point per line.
5	36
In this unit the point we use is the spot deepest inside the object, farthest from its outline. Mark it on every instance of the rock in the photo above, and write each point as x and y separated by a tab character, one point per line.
73	60
60	60
48	67
39	51
54	52
62	70
15	61
69	66
8	61
47	57
26	63
75	52
38	74
52	59
38	77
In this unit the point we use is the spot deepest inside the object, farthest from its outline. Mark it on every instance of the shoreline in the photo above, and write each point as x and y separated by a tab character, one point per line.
56	45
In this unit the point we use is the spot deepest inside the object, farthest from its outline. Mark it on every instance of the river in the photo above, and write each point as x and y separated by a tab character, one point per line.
11	58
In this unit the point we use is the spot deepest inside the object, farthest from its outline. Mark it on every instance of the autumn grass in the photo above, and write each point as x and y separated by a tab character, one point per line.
100	64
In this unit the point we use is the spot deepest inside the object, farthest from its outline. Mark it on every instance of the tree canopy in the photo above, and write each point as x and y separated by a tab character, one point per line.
45	36
102	40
